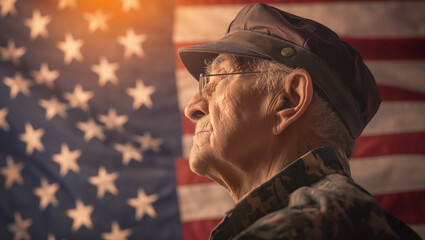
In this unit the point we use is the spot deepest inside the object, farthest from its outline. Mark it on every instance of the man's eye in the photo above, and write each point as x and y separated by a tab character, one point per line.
211	88
213	81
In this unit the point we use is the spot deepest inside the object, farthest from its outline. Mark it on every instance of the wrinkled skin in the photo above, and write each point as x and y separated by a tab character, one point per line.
236	119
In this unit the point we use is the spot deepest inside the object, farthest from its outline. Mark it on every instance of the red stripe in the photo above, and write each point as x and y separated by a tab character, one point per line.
374	48
369	48
389	48
390	144
230	2
407	206
188	126
389	93
185	176
200	229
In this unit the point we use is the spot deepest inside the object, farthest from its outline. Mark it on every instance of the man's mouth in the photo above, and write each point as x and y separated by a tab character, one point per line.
201	131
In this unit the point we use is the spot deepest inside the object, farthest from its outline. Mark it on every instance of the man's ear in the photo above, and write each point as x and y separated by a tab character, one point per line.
294	100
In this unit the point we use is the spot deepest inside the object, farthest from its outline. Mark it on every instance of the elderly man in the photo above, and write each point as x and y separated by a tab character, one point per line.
281	101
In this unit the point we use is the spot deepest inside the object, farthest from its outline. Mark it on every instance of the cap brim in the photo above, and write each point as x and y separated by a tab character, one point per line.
253	44
195	58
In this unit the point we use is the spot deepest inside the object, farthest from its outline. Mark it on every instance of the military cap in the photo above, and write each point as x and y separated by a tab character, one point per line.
337	69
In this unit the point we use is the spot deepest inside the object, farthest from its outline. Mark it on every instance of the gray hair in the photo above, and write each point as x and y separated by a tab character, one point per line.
329	126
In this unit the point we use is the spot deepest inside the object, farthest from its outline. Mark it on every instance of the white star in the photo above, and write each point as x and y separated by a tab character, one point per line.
38	24
128	152
45	75
71	48
67	159
97	20
12	53
12	173
19	228
32	138
106	71
104	182
141	94
46	193
8	6
147	142
53	107
17	84
116	233
127	5
80	215
143	204
79	98
67	3
132	43
91	129
113	121
3	123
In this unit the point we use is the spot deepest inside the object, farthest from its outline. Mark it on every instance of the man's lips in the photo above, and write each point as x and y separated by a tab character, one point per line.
200	138
202	131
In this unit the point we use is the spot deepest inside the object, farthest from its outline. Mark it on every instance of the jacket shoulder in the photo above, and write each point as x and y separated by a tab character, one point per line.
332	208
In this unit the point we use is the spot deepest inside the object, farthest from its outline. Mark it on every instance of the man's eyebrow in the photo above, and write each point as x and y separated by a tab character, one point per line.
218	60
215	64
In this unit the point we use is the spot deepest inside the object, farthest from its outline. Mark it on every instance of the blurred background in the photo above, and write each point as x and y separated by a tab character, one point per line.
93	140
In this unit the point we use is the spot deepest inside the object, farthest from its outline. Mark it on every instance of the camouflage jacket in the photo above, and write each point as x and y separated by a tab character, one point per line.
312	198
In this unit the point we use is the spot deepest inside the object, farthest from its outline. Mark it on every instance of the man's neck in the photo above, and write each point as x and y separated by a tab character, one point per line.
278	156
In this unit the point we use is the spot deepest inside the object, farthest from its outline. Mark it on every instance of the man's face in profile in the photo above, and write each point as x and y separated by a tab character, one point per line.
235	126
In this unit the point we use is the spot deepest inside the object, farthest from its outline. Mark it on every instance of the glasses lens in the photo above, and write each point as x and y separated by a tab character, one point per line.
207	83
203	82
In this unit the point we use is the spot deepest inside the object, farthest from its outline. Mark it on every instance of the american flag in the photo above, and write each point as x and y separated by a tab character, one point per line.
93	141
89	121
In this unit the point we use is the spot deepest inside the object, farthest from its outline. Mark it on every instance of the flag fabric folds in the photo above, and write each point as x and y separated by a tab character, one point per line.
89	121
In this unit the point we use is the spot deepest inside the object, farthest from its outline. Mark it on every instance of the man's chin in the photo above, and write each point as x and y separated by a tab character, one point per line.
197	162
196	167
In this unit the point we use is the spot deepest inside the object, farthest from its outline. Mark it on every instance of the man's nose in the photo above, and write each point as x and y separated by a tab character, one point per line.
196	108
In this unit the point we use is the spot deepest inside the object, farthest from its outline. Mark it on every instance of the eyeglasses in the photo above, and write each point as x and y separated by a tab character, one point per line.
204	82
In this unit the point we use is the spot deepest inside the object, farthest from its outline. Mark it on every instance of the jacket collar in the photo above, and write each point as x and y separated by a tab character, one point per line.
273	194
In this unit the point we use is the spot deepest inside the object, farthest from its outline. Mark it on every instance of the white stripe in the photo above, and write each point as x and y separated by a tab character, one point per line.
419	229
187	86
403	74
397	117
203	201
389	174
187	140
349	19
